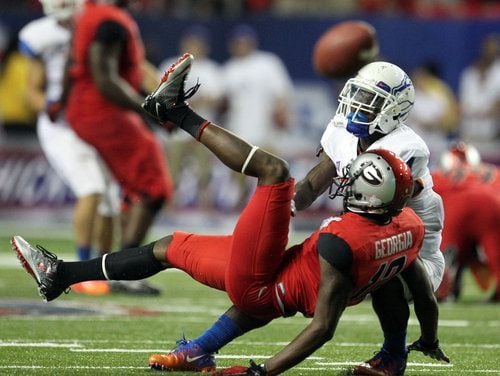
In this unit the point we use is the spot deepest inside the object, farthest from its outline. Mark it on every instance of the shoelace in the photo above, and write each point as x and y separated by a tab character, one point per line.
181	342
46	253
191	91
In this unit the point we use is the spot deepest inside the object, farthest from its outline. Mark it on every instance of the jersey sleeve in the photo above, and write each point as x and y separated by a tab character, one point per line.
28	45
336	251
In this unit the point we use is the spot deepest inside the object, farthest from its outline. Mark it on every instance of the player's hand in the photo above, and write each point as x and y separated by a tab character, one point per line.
432	350
253	370
293	209
54	110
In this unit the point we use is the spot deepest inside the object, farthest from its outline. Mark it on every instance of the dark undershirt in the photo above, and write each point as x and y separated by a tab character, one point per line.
336	251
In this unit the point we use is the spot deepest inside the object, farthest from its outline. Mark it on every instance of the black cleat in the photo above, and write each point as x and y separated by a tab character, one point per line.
170	93
42	265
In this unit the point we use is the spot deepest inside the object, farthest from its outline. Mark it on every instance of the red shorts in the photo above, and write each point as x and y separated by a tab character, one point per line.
246	263
131	152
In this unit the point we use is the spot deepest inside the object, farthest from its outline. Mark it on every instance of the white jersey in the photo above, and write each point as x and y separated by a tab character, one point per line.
341	146
478	94
253	84
47	40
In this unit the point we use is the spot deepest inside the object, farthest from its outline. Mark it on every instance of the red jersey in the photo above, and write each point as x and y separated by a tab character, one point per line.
379	253
86	94
472	214
120	136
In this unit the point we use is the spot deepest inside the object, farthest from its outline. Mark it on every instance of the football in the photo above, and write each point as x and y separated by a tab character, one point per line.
344	48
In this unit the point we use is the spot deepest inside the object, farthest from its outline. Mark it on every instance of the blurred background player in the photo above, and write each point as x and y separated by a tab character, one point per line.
373	108
257	89
434	116
192	166
46	43
108	72
479	96
472	210
257	92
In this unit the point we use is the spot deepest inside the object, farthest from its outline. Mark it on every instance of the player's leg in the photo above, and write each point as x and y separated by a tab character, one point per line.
230	325
76	163
54	276
168	104
489	242
391	307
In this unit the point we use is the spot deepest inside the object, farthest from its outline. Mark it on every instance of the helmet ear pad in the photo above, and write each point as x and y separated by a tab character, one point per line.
385	122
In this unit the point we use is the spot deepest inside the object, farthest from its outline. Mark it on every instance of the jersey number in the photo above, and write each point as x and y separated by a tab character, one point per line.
385	272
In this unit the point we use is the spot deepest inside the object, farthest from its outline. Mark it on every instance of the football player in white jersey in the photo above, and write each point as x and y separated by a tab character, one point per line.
371	113
46	42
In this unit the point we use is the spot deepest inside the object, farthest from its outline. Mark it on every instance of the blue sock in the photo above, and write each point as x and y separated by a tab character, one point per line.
83	253
223	331
395	343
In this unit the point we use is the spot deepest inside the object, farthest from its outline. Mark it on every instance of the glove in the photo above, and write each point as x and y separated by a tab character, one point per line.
434	351
253	370
293	209
54	110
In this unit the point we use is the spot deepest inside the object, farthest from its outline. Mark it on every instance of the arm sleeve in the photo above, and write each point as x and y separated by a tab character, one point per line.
111	32
336	251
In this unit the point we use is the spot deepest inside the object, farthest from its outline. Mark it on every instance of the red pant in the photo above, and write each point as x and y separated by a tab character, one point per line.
246	263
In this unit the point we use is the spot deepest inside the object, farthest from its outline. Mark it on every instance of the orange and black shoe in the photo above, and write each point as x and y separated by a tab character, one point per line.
382	364
188	356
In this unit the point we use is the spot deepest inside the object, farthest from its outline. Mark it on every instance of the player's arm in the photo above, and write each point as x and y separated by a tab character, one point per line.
104	57
317	181
333	296
426	309
35	93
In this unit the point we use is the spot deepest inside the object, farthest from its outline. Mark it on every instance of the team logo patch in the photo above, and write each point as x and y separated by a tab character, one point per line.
372	175
382	85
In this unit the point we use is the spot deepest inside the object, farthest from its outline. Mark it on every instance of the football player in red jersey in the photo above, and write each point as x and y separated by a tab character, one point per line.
376	239
107	75
471	228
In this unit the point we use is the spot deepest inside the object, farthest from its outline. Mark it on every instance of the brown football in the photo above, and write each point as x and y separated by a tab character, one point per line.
344	48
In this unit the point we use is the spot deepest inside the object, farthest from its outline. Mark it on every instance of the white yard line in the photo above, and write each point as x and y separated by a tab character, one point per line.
86	345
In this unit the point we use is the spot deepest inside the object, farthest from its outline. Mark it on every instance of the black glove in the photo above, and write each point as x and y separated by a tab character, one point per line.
253	370
432	350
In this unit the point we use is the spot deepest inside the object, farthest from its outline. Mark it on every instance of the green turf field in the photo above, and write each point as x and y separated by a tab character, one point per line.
113	335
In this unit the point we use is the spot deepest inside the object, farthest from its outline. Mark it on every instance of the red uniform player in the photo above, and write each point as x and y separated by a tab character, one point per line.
348	257
471	200
104	109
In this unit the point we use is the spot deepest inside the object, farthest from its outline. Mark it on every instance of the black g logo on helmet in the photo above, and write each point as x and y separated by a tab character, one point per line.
372	175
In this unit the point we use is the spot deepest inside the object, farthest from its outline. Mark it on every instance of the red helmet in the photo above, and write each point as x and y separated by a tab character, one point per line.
377	182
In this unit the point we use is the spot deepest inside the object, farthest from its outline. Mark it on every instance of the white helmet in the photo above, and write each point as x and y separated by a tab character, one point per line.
377	99
61	9
460	153
376	182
